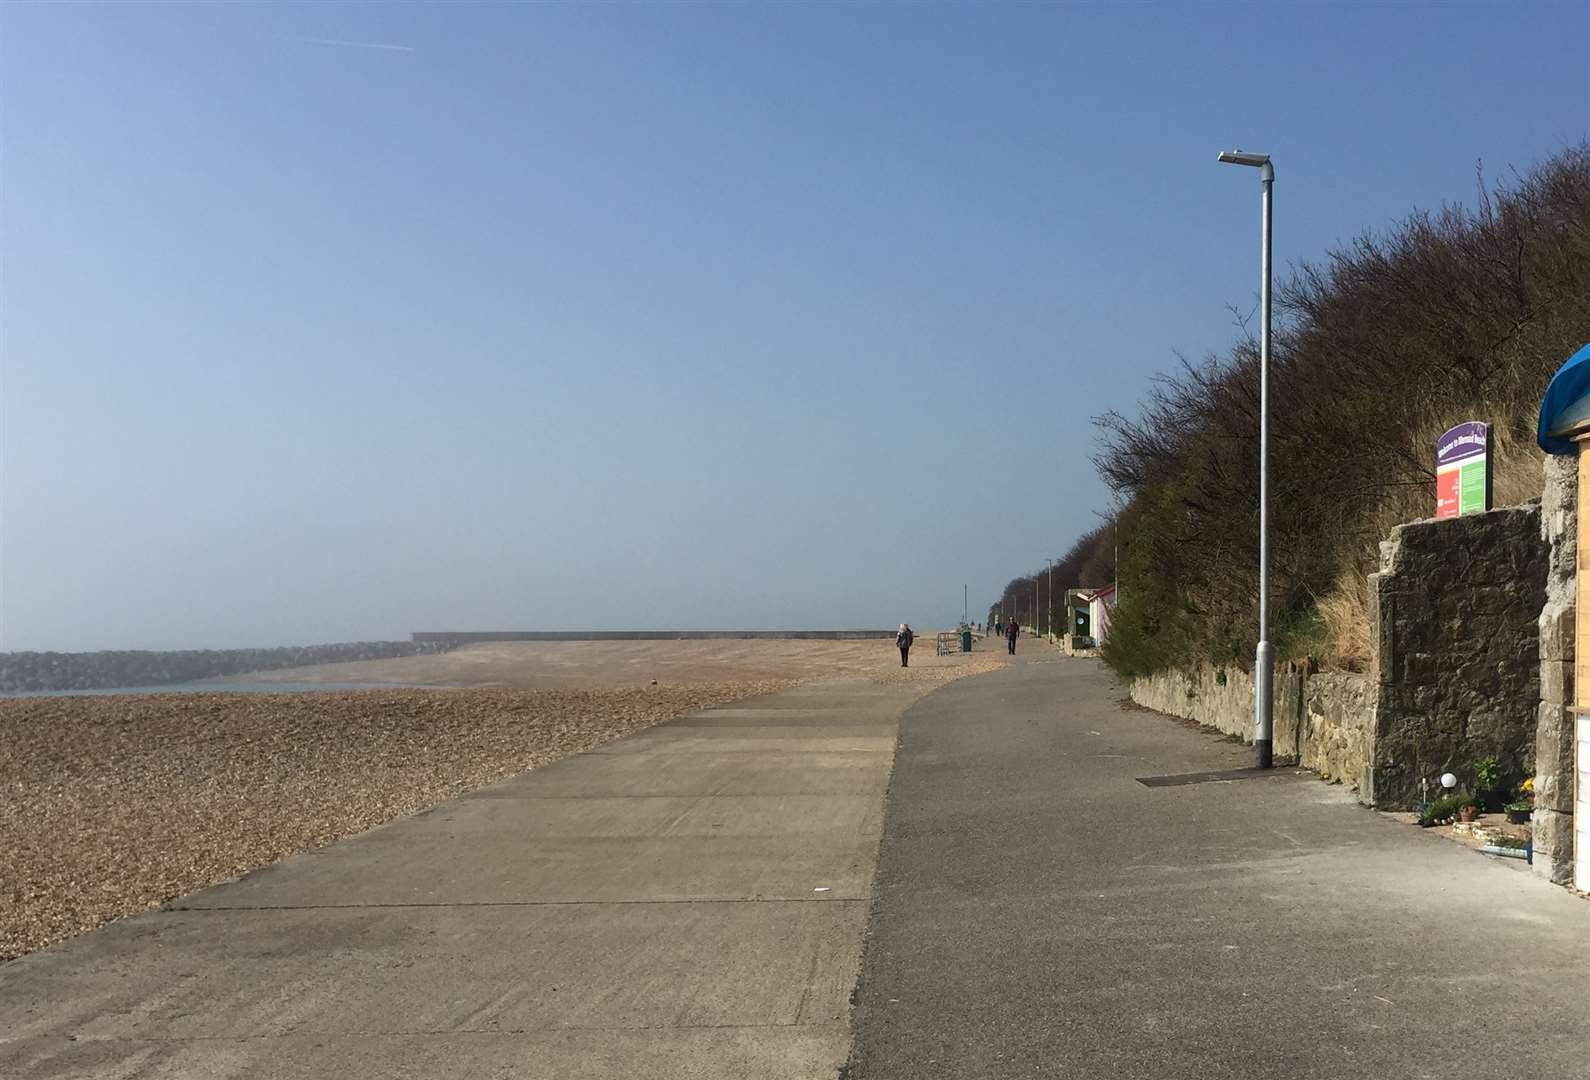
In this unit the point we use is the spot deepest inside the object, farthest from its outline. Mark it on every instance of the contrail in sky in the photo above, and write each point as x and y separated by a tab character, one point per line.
354	44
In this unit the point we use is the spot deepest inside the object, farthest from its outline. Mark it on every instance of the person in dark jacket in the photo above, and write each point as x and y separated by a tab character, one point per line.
1012	628
903	640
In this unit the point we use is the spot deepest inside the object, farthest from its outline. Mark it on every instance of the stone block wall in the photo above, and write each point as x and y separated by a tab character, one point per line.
1320	719
1219	698
1554	726
1473	659
1337	737
1455	638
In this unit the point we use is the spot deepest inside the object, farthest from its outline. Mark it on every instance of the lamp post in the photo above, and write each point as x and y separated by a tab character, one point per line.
1051	598
1263	662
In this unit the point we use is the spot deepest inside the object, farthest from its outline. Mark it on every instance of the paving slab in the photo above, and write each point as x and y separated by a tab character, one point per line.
773	772
652	816
734	714
253	974
734	740
800	726
690	901
672	1053
485	869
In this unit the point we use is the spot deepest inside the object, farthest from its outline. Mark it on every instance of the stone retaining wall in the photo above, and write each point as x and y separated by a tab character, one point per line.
1455	640
25	671
1469	661
1336	733
1554	725
1320	719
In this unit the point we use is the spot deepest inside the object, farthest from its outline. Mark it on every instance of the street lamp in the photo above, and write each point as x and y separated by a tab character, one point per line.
1051	598
1263	660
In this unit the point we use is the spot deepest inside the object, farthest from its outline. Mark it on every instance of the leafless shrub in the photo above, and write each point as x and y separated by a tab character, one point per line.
1453	314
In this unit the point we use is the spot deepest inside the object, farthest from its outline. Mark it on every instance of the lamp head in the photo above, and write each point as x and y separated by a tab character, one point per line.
1238	157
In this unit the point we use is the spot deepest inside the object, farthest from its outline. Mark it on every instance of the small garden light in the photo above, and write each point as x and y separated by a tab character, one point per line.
1448	781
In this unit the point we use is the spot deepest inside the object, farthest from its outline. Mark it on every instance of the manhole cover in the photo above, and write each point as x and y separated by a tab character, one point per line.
1215	777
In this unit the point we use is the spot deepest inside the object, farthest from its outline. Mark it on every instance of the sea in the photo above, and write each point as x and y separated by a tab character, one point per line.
207	687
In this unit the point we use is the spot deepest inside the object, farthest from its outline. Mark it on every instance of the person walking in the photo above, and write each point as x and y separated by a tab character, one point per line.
1012	628
903	641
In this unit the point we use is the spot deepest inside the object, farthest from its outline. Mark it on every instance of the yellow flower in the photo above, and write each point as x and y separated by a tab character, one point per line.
1528	786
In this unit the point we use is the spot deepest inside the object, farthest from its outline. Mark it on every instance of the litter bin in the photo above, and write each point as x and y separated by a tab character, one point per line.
966	641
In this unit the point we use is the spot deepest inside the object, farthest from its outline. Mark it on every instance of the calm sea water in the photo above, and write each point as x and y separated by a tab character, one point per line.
205	688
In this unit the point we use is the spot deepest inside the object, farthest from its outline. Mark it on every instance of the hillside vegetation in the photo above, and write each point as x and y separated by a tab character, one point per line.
1449	315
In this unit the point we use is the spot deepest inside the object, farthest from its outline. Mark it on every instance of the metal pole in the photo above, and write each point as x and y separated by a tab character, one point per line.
966	611
1263	658
1051	600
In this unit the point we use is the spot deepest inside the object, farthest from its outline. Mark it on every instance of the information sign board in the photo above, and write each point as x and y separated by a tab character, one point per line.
1463	470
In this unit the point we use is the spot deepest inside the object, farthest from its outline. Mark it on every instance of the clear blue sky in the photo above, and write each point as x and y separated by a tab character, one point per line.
654	316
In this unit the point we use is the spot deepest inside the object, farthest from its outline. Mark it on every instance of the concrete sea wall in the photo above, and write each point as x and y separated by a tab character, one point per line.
475	637
26	671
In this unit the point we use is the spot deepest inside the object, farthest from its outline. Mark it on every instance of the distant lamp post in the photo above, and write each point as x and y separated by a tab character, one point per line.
1051	598
1263	658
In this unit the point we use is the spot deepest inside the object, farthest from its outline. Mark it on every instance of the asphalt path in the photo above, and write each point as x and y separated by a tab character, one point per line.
1039	912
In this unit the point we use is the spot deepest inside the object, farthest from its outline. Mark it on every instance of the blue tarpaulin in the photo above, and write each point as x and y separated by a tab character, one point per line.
1566	404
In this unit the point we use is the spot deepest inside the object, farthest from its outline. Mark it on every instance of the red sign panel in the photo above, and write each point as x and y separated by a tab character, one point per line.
1448	493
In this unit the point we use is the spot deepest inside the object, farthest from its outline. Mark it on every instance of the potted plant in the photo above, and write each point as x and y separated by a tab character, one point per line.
1523	805
1439	811
1487	775
1470	807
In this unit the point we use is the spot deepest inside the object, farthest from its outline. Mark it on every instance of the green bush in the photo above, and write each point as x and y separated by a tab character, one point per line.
1487	772
1444	808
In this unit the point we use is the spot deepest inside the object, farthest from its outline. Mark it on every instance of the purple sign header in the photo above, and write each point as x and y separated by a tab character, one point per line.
1461	443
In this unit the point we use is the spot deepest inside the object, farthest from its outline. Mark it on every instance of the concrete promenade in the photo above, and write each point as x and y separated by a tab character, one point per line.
686	902
692	902
1039	912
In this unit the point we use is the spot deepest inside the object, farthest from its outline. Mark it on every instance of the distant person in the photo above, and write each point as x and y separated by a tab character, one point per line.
903	641
1012	628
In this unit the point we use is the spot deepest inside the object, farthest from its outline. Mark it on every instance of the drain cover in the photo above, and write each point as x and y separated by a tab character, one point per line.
1218	776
